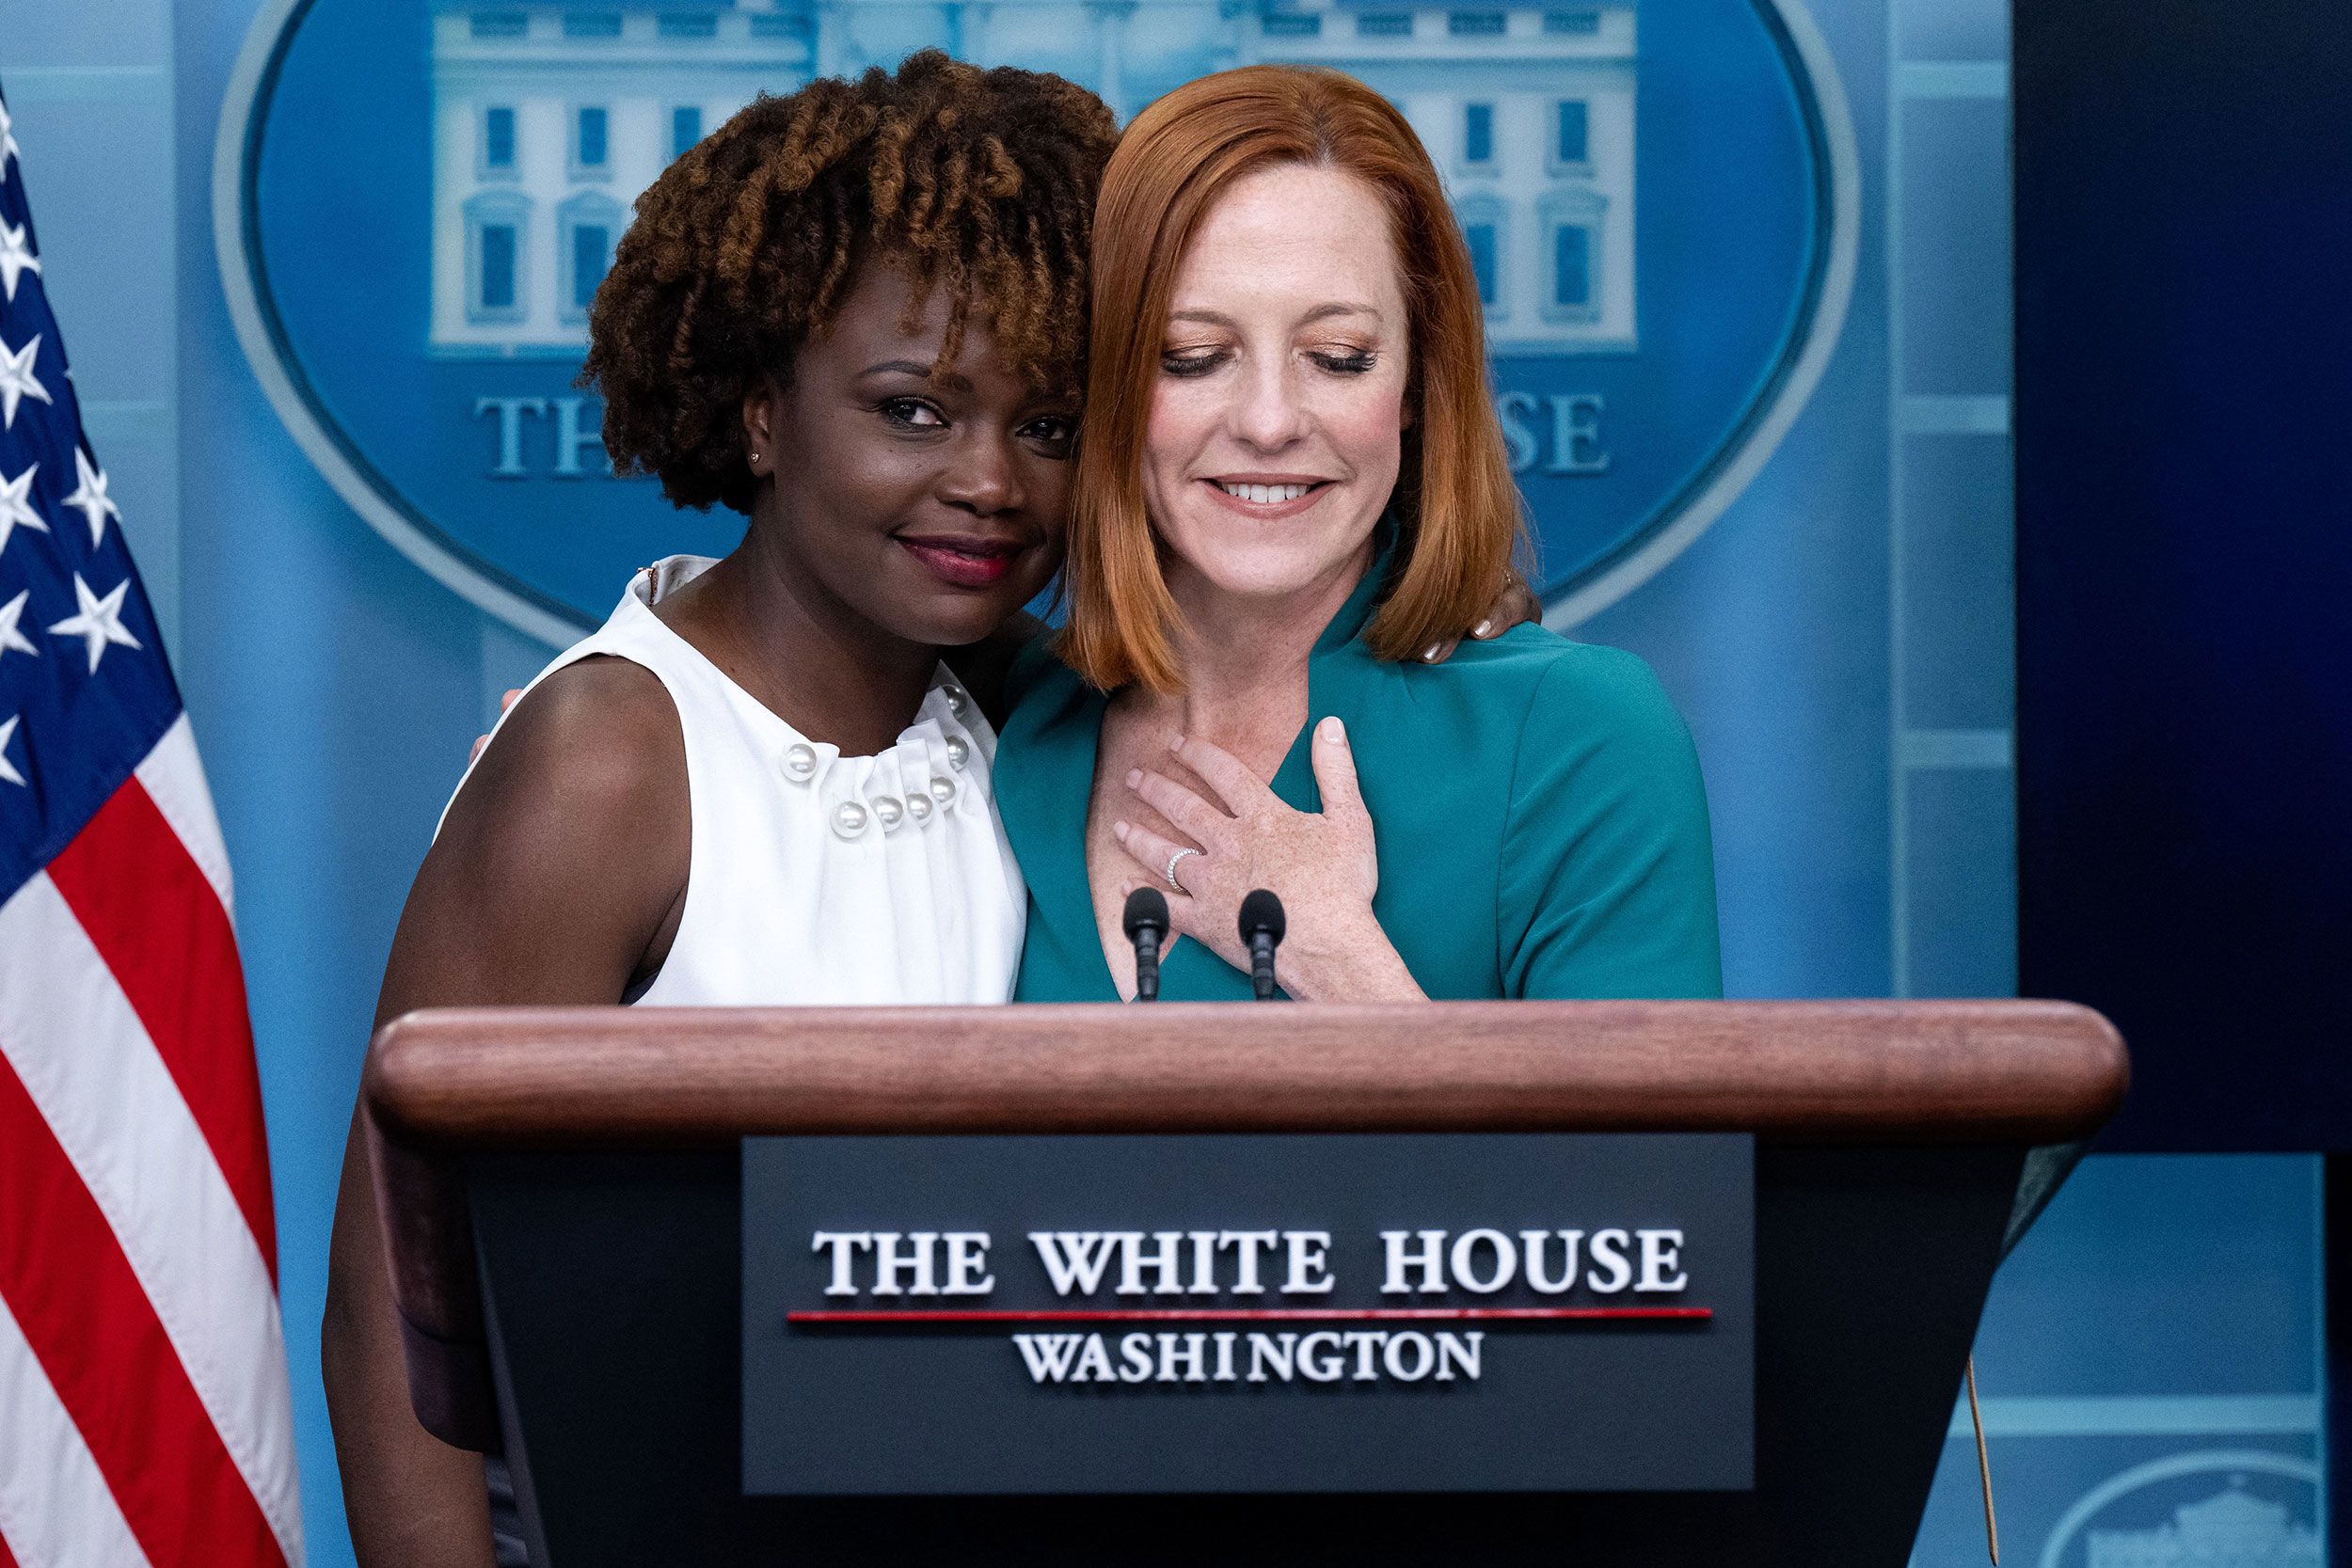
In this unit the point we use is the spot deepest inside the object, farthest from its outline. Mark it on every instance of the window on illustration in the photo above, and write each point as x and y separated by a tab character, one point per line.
1478	132
1574	125
1482	260
1572	266
592	253
497	138
591	150
498	266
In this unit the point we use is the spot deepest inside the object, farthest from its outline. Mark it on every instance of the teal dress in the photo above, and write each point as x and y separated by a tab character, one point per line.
1541	823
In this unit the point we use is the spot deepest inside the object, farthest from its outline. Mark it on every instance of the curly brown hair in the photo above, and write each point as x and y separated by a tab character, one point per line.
978	183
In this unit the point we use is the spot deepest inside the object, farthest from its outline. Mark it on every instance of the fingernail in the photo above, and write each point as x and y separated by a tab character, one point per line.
1175	742
1482	628
1134	777
1429	654
1333	731
1118	832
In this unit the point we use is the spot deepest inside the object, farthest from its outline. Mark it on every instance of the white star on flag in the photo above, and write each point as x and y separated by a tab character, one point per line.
7	736
89	495
99	622
16	381
15	510
16	258
7	140
11	640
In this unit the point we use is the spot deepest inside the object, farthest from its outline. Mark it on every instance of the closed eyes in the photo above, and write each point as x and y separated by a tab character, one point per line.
1200	362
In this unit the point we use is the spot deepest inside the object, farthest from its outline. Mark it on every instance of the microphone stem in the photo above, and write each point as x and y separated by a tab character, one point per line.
1148	966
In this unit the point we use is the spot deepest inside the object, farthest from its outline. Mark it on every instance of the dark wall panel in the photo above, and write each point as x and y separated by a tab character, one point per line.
2183	428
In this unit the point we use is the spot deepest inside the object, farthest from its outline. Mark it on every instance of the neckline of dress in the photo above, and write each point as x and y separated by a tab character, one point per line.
933	717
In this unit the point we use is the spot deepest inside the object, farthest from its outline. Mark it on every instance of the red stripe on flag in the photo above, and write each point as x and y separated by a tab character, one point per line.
97	1336
8	1559
158	925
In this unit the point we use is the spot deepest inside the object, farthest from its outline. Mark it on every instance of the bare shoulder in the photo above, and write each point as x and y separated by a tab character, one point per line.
590	765
597	737
563	858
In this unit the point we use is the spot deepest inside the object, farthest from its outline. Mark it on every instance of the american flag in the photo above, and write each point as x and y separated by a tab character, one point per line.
144	1415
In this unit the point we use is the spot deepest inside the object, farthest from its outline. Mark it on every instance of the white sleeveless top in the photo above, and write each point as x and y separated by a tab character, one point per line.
816	879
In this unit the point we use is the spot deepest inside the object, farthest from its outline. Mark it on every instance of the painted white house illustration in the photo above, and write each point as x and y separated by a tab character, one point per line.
549	118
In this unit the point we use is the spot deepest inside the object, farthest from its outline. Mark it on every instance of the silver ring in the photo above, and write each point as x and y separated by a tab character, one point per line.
1170	872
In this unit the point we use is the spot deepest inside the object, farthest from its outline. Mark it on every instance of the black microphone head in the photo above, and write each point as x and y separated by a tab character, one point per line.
1147	911
1261	911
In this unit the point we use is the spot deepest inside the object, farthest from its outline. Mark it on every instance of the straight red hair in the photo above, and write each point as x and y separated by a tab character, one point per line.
1455	507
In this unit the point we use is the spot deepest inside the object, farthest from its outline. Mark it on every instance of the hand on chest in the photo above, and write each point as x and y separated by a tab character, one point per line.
1138	750
1208	828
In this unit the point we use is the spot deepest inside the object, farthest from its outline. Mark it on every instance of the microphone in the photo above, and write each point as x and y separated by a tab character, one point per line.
1262	932
1146	922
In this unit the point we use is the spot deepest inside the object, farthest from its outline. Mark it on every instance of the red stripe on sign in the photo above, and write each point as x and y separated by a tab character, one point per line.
97	1336
158	925
1272	1315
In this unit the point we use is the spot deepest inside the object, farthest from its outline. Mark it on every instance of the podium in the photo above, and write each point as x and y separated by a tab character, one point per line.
560	1195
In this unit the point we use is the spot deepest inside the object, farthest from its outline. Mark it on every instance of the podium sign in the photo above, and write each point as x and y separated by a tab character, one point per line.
1249	1313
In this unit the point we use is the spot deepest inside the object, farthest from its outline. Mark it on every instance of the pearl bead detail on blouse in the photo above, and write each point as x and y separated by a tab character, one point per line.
802	763
795	851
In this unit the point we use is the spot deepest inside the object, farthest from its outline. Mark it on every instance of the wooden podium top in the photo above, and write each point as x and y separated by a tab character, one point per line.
619	1077
440	1085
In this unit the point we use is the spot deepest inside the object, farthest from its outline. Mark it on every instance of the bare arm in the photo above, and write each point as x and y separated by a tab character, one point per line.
557	878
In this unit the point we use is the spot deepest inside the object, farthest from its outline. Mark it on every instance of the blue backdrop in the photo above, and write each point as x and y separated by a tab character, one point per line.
1838	636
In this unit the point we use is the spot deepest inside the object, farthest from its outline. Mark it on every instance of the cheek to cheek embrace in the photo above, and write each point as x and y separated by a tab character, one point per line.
1321	864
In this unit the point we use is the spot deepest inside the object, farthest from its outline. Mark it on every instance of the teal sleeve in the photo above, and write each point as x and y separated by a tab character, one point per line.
1607	885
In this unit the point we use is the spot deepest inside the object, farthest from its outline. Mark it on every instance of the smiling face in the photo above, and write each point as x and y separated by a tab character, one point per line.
931	504
1277	419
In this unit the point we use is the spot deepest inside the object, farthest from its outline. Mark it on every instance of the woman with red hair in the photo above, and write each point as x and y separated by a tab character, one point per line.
1291	483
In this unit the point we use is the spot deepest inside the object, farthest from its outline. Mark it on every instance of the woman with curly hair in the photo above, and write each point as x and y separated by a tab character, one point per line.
856	315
